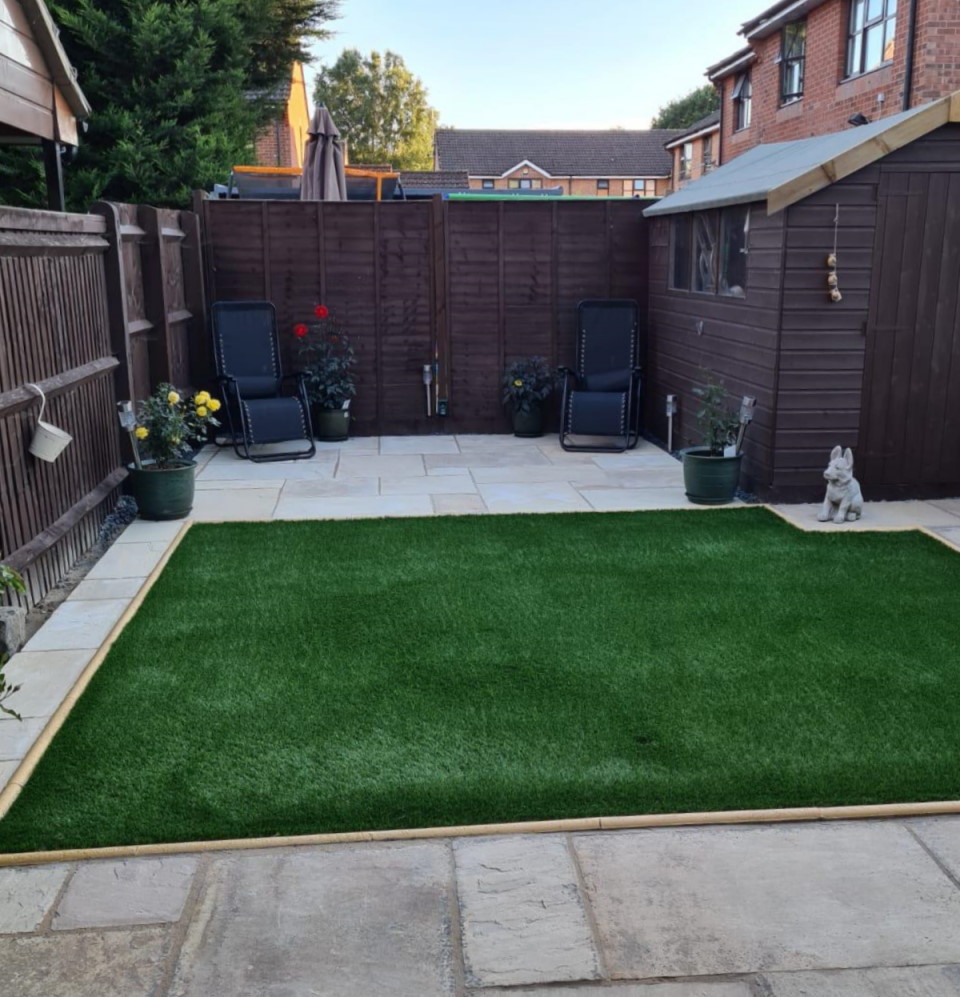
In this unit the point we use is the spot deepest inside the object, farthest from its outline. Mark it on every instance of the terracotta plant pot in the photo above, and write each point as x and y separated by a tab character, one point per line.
163	492
528	424
708	479
331	424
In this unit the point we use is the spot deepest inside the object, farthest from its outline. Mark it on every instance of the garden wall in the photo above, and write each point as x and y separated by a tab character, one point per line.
93	308
476	284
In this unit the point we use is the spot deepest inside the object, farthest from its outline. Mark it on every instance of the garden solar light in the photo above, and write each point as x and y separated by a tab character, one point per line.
427	381
128	421
747	404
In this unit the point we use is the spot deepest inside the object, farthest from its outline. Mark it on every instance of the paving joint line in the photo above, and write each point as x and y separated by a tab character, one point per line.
458	965
181	927
45	927
588	910
943	867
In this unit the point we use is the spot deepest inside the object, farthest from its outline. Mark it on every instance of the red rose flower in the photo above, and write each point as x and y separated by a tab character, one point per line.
321	311
300	330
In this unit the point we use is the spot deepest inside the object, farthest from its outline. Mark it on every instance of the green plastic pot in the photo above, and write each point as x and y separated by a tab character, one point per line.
708	479
528	424
331	424
163	492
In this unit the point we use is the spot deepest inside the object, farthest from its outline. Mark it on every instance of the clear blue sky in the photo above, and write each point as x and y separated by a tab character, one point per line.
553	64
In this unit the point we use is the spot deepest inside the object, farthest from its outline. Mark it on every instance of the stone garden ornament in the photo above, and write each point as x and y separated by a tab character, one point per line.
843	501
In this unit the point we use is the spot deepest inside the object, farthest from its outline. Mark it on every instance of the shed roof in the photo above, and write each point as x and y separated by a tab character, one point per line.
615	152
782	173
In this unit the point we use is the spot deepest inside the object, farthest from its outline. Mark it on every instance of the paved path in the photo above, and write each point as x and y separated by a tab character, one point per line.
832	910
853	909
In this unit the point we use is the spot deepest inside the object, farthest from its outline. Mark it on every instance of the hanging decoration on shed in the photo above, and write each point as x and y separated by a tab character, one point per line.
833	279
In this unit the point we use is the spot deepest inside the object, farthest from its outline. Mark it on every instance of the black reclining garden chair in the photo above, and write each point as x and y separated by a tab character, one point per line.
601	398
253	382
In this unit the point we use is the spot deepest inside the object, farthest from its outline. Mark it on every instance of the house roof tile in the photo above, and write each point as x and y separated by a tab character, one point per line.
614	152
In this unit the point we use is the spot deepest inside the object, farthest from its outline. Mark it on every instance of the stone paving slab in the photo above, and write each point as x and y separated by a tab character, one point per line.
126	892
876	515
360	507
26	895
45	678
335	922
106	588
16	736
393	445
522	917
942	836
129	560
714	901
76	625
685	989
111	964
215	506
556	496
405	466
458	505
431	484
332	487
924	981
148	531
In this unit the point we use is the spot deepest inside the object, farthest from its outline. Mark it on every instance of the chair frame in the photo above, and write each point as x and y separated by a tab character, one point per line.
242	441
632	437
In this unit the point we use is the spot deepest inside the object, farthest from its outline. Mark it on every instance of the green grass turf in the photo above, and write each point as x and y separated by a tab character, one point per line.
287	678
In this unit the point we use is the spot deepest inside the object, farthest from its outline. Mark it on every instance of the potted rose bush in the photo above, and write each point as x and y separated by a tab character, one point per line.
526	385
711	471
168	425
327	359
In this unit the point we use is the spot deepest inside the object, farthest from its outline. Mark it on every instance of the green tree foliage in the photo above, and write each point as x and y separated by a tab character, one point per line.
177	88
380	108
685	111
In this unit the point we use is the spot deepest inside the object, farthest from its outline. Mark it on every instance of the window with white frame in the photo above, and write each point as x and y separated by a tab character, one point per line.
742	98
486	184
793	54
686	160
871	34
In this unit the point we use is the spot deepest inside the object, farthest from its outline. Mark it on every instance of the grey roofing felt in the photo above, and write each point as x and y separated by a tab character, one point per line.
561	153
752	176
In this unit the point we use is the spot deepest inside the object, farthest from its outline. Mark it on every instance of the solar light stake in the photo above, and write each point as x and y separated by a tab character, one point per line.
747	405
427	381
671	412
128	421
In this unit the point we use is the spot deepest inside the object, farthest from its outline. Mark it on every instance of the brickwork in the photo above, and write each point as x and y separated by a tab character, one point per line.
695	169
575	186
829	98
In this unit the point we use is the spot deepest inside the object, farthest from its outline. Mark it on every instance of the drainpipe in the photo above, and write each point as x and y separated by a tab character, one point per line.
719	161
911	45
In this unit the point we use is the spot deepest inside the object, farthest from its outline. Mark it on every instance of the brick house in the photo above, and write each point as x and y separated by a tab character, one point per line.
694	152
810	66
614	163
281	143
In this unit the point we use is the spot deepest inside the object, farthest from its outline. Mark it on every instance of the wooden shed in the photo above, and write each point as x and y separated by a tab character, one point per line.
40	99
740	285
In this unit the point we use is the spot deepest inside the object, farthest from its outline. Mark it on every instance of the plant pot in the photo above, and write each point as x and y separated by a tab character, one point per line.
528	424
163	492
707	479
331	424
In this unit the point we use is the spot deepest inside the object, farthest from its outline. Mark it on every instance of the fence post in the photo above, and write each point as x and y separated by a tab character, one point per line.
438	227
155	305
116	286
195	300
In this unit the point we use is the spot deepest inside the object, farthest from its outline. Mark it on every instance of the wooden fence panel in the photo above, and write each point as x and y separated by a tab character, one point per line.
472	285
93	308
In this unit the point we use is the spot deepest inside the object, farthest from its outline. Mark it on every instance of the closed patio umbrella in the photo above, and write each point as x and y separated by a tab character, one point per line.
323	176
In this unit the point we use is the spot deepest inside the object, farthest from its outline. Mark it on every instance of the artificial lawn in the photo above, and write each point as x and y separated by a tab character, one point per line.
286	678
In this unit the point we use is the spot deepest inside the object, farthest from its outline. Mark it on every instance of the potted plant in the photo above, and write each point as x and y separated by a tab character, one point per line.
711	471
168	424
526	384
327	359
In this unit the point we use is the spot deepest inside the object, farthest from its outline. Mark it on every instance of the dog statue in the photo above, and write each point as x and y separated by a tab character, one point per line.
844	501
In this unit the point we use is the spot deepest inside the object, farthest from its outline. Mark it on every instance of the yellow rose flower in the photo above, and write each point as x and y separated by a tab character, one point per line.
518	383
202	411
213	405
141	432
173	398
202	398
175	440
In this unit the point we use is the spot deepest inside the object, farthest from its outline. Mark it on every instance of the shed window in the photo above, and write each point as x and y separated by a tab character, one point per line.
680	270
734	229
742	101
709	251
871	34
793	51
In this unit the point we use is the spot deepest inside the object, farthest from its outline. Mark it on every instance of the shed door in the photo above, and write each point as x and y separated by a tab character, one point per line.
910	433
